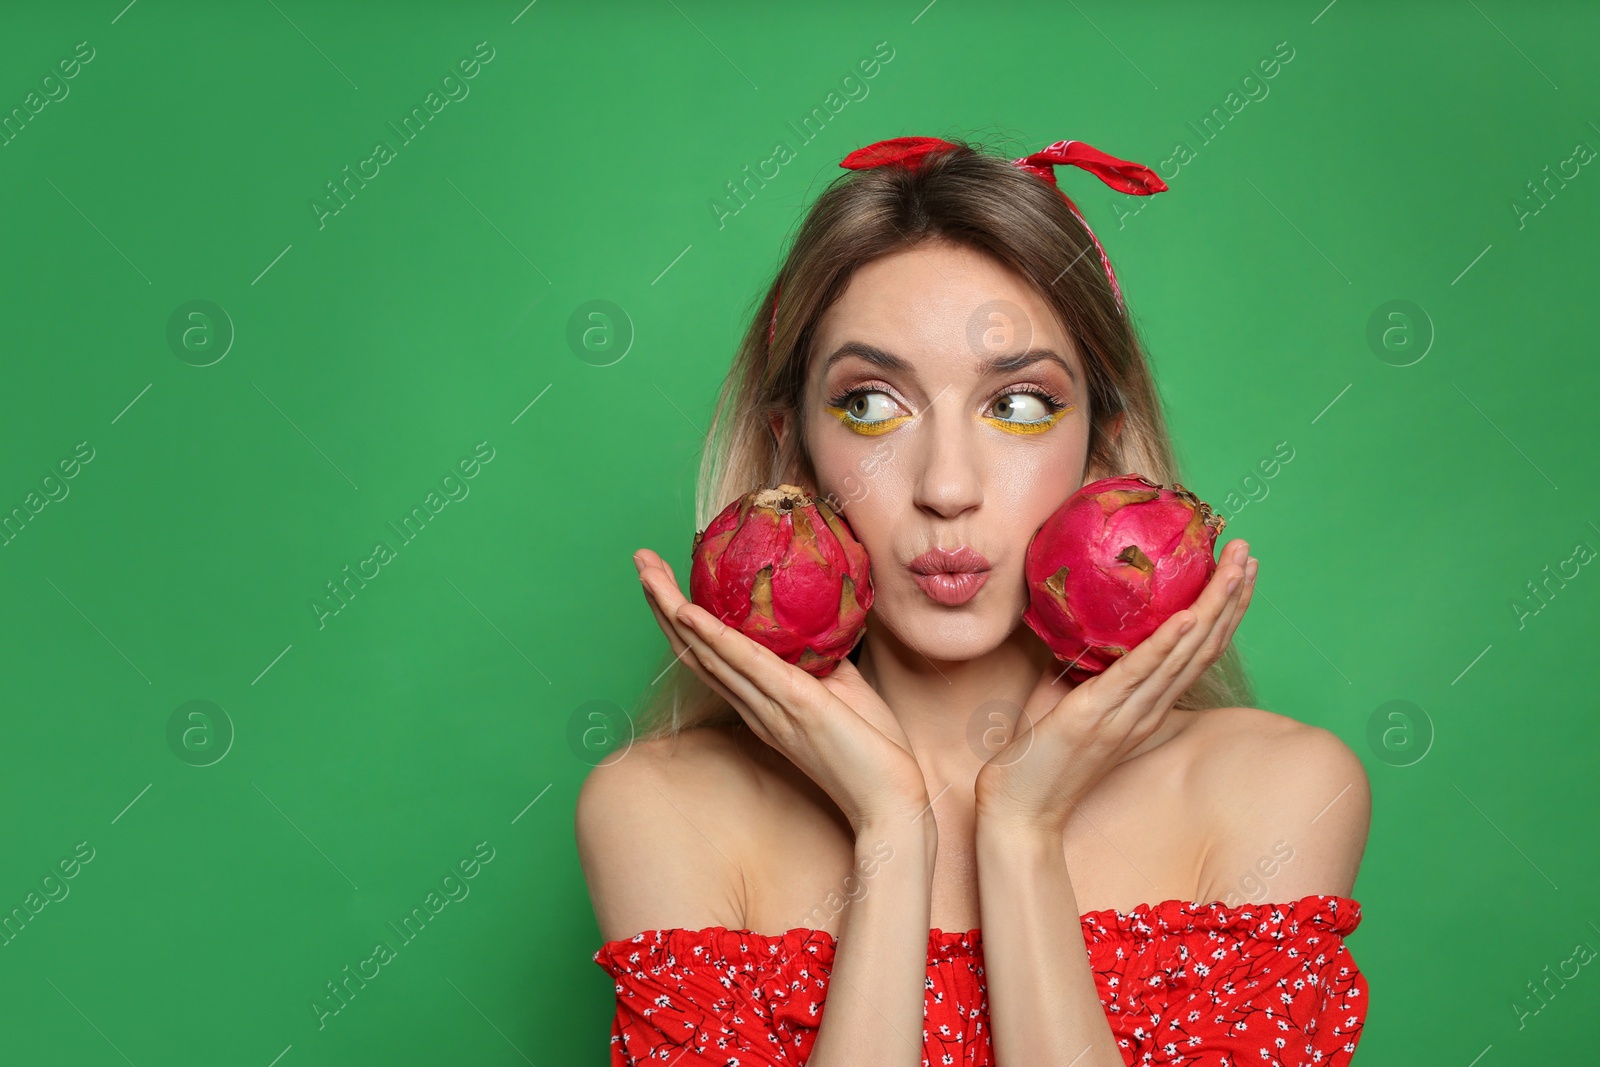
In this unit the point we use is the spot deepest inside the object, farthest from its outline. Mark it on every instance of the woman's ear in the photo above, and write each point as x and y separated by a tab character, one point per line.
779	422
1094	472
793	469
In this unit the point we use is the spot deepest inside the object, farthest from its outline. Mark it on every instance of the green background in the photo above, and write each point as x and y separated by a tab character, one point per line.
351	765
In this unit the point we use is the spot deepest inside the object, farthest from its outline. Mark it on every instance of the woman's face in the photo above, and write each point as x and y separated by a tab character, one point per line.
945	408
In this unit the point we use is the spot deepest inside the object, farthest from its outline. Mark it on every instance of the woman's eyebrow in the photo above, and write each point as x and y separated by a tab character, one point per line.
994	365
872	354
1011	364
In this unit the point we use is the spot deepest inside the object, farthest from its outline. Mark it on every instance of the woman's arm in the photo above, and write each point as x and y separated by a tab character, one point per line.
1297	832
660	850
874	1009
1044	1008
839	732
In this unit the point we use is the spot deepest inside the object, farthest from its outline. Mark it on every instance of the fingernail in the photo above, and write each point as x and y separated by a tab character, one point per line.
1251	567
688	618
638	564
1232	585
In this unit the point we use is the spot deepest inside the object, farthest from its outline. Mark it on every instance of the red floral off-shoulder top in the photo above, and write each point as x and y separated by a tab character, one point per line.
1183	984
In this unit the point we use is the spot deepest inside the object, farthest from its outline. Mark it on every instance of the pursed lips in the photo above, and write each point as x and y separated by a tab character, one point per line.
950	576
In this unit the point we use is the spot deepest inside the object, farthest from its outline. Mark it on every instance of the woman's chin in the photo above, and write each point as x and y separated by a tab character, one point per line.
947	635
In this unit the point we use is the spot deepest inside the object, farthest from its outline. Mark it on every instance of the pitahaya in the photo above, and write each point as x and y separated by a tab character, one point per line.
1111	564
786	571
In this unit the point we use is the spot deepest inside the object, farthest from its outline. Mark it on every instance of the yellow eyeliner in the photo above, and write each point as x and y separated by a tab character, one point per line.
866	429
1029	427
883	426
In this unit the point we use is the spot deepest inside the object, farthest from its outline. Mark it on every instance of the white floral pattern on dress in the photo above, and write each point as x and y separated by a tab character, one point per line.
1183	984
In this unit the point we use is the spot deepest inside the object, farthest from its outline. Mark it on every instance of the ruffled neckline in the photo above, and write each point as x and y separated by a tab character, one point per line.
719	945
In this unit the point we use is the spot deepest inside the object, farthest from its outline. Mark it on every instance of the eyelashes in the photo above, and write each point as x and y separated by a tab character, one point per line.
1057	407
839	407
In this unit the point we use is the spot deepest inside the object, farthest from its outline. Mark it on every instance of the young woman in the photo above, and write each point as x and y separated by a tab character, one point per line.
853	869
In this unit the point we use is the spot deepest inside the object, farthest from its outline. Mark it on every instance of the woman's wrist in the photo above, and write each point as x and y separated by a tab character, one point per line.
1001	820
911	837
1012	840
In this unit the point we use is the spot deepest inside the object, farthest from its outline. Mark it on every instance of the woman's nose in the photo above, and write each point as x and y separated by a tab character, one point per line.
948	482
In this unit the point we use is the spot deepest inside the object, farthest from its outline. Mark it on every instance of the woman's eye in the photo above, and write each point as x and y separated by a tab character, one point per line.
869	406
1022	407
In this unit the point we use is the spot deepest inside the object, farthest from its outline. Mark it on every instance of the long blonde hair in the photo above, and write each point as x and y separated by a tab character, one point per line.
967	197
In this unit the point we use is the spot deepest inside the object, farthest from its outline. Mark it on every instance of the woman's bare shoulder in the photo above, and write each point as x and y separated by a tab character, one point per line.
1281	793
659	834
1247	723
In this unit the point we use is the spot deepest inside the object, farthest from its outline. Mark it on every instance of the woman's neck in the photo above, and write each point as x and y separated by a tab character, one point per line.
947	707
955	712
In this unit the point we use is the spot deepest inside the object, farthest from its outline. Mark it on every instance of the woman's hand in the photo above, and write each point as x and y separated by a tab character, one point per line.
835	729
1079	733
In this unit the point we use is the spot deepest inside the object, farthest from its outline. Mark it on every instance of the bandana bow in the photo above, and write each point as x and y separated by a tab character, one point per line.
1120	174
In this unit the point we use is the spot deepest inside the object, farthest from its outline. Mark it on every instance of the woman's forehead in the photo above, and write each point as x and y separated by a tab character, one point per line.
946	304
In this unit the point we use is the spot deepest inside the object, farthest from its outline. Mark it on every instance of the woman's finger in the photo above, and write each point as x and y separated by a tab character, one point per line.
754	664
678	637
715	649
687	656
1114	687
654	559
658	580
1216	603
668	568
1228	622
1163	655
736	691
666	585
1146	690
1251	568
674	638
677	634
1215	643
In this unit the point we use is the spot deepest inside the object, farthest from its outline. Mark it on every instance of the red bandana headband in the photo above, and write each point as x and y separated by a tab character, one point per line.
1120	174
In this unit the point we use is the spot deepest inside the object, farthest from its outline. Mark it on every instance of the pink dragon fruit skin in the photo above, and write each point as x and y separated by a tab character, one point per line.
786	571
1111	564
